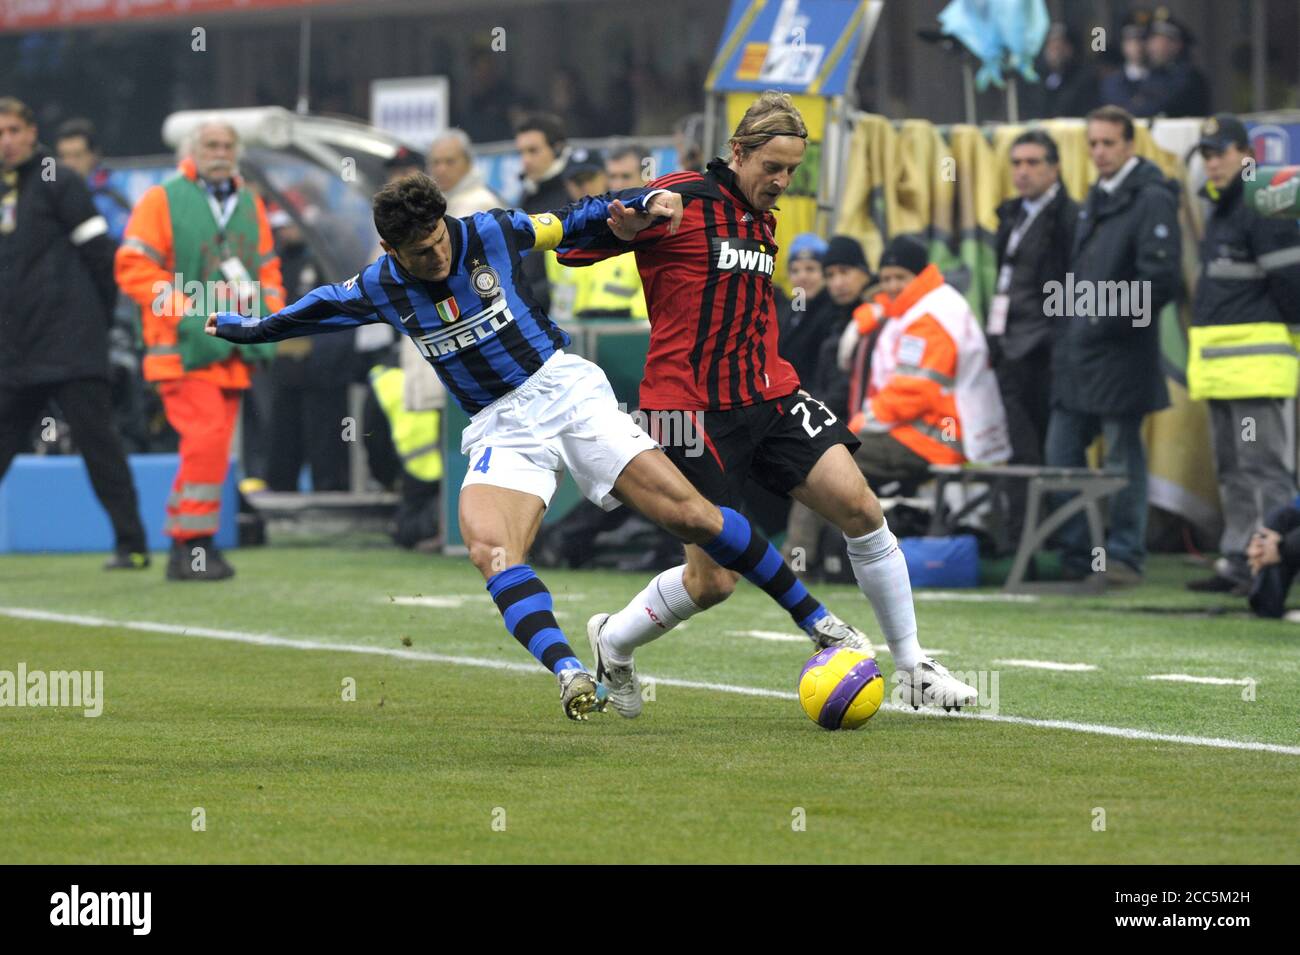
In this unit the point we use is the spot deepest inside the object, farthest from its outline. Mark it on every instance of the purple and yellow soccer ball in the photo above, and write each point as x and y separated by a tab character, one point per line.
840	689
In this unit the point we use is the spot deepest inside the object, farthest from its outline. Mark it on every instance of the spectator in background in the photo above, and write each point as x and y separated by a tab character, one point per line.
1106	374
133	407
1120	88
825	305
544	152
1239	348
206	229
1174	87
920	349
844	260
1069	86
308	381
78	149
451	164
1273	558
402	163
797	317
628	166
584	174
56	301
1034	239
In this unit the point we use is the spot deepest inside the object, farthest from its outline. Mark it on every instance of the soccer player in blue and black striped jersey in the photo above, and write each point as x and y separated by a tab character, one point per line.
453	285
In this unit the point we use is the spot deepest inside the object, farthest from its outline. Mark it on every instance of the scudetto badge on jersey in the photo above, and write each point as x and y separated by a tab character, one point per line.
448	310
743	255
485	280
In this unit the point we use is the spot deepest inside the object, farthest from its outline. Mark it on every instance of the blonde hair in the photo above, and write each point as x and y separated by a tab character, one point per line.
772	114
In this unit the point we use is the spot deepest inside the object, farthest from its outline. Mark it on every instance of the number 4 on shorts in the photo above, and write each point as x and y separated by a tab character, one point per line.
483	461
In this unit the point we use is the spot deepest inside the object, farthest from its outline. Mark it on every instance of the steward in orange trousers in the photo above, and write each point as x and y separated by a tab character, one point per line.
197	243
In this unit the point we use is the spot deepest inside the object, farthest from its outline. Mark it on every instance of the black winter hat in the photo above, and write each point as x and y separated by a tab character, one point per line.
906	253
845	250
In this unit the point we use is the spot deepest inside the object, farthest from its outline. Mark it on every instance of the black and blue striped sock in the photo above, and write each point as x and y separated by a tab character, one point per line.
741	548
529	615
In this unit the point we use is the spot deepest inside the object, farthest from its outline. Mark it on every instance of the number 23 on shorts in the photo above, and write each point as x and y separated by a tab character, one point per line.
483	461
801	408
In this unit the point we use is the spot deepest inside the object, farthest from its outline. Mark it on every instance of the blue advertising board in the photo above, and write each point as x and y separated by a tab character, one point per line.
799	46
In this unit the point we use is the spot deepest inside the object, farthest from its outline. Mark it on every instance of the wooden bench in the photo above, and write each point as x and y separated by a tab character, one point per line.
1088	486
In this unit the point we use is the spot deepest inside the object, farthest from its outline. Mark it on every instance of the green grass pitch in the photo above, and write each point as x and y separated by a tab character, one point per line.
455	750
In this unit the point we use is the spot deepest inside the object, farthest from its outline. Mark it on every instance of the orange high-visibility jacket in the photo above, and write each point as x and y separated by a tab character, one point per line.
145	259
929	371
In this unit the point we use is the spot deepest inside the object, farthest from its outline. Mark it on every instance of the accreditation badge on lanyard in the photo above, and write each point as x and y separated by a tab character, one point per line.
232	268
996	323
997	318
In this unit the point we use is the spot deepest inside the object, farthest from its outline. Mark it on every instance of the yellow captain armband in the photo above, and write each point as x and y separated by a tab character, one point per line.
548	231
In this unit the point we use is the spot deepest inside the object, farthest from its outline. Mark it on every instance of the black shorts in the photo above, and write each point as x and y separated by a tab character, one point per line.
775	443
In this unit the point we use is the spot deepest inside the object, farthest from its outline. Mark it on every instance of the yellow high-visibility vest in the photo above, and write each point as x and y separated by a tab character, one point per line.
1250	360
415	433
609	287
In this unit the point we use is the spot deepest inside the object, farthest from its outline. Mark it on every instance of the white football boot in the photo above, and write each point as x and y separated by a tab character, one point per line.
580	694
831	631
620	679
930	684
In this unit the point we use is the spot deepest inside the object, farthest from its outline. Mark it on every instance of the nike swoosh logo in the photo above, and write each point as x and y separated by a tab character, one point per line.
407	318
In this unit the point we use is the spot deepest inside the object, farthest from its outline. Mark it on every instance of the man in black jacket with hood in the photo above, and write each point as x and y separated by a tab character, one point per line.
1107	374
57	294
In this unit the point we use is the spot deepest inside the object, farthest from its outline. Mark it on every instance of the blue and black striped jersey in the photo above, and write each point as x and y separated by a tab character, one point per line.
481	328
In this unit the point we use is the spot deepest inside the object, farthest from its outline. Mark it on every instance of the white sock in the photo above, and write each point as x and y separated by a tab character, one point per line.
881	572
661	606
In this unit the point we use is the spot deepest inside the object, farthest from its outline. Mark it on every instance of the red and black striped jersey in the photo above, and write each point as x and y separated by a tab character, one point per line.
708	288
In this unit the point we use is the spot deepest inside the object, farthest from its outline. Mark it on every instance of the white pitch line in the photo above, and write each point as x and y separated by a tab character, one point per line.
269	640
778	636
441	603
957	596
1212	680
1047	665
774	635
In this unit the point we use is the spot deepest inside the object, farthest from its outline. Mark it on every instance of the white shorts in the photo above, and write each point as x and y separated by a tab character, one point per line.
564	416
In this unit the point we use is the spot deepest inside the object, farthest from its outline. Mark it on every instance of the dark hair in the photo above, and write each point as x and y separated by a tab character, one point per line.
1039	137
408	209
1113	114
11	106
84	128
629	149
548	124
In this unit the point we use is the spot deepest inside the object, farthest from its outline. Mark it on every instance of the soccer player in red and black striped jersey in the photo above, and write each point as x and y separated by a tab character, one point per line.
714	372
